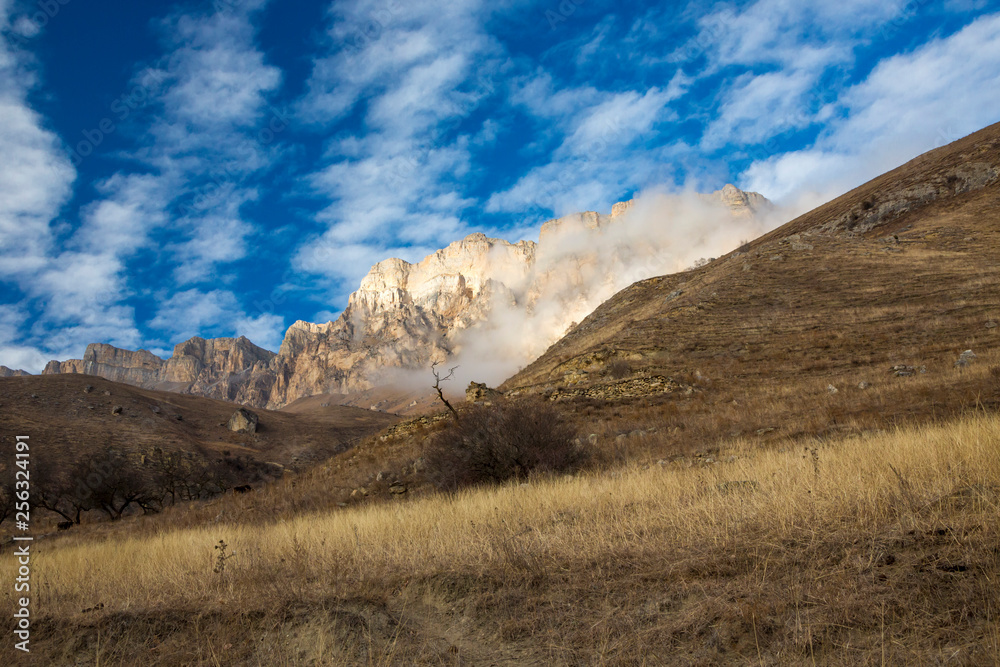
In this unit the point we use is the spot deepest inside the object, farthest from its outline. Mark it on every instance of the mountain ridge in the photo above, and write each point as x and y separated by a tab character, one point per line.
405	316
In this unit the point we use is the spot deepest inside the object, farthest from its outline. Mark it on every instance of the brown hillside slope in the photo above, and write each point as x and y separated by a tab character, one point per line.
70	417
904	270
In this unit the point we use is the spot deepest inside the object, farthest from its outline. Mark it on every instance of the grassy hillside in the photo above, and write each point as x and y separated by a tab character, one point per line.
868	550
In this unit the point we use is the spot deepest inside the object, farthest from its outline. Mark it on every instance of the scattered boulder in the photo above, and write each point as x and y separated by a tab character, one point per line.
965	359
991	325
478	392
864	385
155	409
830	388
89	388
117	410
397	488
903	371
243	421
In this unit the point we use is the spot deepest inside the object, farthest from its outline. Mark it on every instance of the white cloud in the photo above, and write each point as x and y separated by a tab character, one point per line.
606	153
215	313
265	330
789	47
209	133
186	314
36	177
909	104
618	120
788	32
755	108
415	69
12	353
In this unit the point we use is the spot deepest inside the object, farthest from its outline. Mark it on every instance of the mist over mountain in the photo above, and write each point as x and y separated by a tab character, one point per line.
485	305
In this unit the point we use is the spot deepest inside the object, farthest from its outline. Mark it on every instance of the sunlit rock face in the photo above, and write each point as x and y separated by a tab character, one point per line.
478	298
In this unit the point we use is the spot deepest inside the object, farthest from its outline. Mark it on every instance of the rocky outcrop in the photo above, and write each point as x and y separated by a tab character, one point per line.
478	392
232	369
68	366
10	372
407	316
140	368
875	211
243	421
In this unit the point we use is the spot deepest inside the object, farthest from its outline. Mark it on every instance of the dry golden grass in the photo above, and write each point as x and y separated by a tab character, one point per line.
878	549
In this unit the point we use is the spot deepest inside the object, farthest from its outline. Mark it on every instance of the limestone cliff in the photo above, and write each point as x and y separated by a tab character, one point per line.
481	300
226	368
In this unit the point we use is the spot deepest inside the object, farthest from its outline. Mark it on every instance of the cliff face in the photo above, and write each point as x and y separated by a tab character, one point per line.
220	368
10	372
481	297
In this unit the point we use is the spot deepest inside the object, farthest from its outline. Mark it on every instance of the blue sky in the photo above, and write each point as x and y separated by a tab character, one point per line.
171	169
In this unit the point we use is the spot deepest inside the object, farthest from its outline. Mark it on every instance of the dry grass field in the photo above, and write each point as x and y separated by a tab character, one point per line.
878	549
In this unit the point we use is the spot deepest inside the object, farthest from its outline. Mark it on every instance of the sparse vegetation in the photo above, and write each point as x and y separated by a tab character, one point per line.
502	441
618	369
676	563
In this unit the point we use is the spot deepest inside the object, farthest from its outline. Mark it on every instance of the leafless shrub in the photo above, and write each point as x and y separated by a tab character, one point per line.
618	369
503	441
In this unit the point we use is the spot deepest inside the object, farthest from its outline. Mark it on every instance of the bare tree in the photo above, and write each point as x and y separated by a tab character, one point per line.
437	386
123	485
61	490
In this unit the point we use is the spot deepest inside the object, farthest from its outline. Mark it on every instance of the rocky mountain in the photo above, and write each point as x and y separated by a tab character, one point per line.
10	372
232	369
484	303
